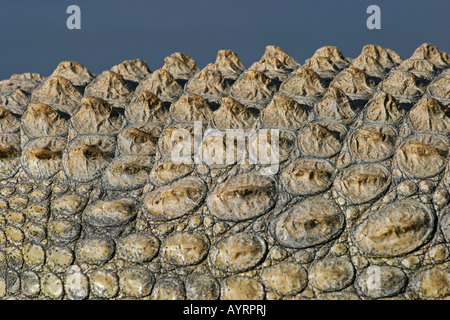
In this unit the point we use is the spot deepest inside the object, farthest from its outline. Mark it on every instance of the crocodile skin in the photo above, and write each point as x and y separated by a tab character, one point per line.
93	206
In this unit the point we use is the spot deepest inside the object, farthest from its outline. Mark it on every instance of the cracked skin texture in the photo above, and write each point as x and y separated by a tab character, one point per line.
92	205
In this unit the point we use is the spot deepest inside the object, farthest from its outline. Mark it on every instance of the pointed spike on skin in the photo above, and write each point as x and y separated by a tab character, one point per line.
332	53
132	70
180	65
59	93
42	120
431	53
229	63
253	86
233	115
162	84
275	62
209	82
75	72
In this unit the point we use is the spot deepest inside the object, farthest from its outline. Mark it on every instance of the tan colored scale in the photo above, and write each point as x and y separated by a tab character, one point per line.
238	252
167	171
431	53
284	113
220	149
180	141
384	108
174	201
422	155
373	142
140	140
419	67
323	66
354	82
308	223
109	86
10	152
75	72
361	183
253	87
376	60
59	93
162	84
336	105
180	65
146	107
8	122
26	81
332	274
233	115
42	157
321	139
275	63
303	84
127	172
191	108
332	53
401	84
229	64
132	70
96	116
439	89
16	100
185	248
396	229
242	198
209	82
307	176
86	157
271	148
429	116
42	120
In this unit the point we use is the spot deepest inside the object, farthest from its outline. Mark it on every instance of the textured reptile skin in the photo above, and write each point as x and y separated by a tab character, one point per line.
93	206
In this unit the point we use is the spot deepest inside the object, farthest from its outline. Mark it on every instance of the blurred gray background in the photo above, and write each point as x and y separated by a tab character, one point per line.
34	36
